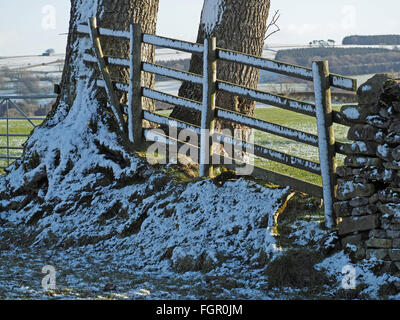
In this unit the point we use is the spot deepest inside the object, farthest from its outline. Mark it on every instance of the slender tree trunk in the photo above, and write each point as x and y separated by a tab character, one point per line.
238	25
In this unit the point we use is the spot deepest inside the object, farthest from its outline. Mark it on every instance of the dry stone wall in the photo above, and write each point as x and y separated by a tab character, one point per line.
368	193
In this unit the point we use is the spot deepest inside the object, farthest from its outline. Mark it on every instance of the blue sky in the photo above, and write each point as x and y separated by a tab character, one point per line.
25	30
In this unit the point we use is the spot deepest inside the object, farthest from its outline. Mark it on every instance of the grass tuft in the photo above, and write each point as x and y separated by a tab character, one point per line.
295	269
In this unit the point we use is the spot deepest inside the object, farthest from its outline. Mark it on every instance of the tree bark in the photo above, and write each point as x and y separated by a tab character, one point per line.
240	26
116	15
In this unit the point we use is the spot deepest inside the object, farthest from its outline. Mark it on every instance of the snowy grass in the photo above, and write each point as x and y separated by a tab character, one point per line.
106	270
151	239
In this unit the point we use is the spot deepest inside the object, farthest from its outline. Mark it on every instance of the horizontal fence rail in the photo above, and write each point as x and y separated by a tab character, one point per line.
172	73
337	81
31	97
23	119
268	98
321	110
278	178
171	99
12	148
156	118
148	39
173	44
268	127
13	135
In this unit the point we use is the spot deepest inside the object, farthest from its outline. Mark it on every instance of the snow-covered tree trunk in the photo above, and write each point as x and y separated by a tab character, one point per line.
78	145
238	25
112	14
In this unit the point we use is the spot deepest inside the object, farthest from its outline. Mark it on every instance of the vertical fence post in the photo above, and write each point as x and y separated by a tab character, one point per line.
208	111
135	109
326	137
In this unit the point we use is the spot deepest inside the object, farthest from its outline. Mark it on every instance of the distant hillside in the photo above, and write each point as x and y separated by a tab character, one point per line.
181	64
388	39
346	61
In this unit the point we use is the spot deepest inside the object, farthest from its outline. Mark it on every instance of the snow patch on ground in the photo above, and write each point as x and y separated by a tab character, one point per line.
306	233
193	225
364	275
199	219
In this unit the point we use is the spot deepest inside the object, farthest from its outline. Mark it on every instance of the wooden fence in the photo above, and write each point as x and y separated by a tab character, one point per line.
323	80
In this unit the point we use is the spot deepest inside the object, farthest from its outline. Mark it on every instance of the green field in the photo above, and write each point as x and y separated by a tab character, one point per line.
299	122
275	115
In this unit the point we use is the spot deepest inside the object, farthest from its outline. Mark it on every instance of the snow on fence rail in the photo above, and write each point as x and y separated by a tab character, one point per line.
321	110
148	39
268	127
172	73
286	69
268	98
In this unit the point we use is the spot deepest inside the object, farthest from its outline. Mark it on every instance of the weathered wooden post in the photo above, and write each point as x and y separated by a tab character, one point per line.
114	101
326	137
208	112
135	109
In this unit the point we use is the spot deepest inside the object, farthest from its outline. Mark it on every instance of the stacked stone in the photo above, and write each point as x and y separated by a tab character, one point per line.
368	194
